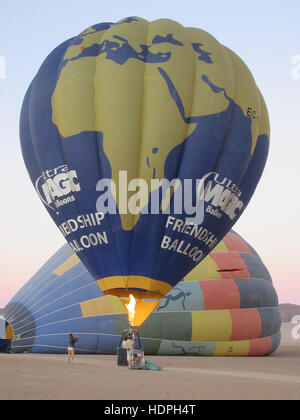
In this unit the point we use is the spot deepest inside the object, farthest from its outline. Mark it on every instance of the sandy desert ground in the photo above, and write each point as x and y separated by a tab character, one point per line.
35	376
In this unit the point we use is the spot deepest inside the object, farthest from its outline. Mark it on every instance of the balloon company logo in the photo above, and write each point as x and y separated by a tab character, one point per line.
181	197
2	68
222	196
296	67
55	186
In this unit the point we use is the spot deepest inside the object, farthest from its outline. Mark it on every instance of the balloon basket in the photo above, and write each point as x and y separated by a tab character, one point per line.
134	359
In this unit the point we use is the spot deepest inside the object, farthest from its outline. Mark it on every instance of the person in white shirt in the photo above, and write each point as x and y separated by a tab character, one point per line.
128	344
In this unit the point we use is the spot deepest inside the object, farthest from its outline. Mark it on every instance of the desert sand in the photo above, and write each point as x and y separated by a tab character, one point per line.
45	376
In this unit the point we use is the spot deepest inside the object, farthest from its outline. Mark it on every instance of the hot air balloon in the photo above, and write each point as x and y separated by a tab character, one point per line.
225	306
145	142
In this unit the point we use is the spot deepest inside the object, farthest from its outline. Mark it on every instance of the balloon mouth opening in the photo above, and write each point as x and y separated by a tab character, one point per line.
140	286
145	303
146	291
138	293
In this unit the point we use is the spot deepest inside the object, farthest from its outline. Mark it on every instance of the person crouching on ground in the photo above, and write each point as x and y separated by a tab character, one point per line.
71	347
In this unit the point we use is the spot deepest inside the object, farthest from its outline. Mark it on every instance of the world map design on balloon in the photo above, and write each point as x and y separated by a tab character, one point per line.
159	103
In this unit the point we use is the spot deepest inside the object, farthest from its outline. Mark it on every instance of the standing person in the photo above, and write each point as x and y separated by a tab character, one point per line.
129	345
71	347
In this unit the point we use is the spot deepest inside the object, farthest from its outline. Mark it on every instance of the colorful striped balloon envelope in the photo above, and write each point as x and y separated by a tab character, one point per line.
227	306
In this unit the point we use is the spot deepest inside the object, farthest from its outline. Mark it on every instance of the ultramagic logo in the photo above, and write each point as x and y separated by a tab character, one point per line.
55	186
222	195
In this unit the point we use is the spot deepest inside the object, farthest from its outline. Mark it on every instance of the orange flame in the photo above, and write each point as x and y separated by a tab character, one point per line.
131	309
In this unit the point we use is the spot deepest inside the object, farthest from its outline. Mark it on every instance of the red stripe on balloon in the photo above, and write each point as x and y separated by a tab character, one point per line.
260	346
246	324
235	243
230	265
220	294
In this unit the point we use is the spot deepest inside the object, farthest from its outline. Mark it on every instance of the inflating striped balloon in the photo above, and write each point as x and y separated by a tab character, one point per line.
226	306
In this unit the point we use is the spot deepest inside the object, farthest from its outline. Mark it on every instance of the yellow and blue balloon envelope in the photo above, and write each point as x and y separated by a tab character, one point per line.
152	100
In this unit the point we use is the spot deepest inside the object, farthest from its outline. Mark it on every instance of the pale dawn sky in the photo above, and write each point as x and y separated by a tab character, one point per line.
265	34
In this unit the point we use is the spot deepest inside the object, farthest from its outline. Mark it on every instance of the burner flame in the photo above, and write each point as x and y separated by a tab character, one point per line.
131	309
